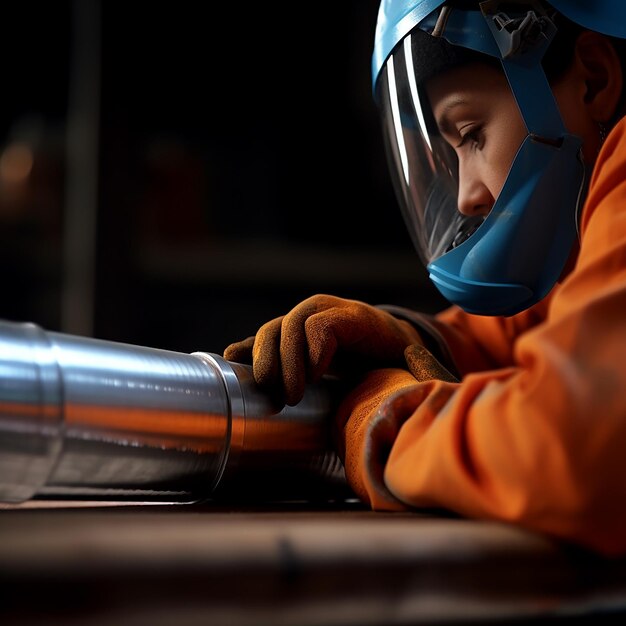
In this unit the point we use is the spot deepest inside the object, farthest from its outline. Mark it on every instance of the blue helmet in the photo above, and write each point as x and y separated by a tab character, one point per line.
509	260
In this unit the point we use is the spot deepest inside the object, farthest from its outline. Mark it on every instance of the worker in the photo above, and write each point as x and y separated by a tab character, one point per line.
505	131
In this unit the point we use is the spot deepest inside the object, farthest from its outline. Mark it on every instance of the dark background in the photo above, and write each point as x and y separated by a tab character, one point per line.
237	167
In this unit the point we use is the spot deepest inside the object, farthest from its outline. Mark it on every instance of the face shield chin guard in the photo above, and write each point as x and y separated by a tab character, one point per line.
510	260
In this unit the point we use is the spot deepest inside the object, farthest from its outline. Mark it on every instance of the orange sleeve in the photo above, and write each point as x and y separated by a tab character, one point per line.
539	440
479	342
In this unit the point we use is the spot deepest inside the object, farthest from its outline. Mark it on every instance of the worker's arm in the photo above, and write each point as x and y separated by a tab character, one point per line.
540	442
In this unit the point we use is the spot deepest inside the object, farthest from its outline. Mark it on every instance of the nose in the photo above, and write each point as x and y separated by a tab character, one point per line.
474	196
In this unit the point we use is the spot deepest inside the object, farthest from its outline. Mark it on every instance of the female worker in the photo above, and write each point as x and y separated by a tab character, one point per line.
504	128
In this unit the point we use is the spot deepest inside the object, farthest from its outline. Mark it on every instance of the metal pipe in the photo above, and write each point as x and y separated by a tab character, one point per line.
88	418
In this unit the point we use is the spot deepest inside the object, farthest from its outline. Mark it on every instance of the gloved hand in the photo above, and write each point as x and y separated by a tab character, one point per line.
322	334
369	419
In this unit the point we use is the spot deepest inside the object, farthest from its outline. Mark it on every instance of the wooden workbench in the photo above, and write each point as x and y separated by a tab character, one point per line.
298	564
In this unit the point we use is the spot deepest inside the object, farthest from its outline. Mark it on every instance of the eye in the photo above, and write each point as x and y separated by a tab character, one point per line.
472	136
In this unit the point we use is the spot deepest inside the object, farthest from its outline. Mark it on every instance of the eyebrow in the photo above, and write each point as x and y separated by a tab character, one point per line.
443	121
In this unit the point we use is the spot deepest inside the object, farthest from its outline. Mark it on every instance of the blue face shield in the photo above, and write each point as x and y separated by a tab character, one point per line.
511	259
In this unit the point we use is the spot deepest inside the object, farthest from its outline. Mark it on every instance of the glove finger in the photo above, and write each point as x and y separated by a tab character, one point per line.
285	344
424	366
266	356
321	332
294	352
240	351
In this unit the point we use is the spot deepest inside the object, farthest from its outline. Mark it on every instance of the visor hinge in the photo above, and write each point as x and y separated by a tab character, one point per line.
516	36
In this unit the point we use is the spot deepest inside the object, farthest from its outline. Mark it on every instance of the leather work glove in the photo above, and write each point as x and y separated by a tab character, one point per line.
369	419
323	334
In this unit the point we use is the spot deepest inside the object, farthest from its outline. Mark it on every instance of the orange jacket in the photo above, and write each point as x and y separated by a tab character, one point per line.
535	432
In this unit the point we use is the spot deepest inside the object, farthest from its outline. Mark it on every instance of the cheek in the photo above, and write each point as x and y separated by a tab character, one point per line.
509	133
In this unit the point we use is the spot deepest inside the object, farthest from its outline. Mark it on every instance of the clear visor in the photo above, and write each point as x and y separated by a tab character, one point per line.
424	166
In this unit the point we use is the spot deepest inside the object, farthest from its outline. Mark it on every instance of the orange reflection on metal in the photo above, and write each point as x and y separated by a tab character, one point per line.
203	432
22	409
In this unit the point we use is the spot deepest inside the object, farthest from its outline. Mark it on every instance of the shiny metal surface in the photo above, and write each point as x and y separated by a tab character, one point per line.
82	417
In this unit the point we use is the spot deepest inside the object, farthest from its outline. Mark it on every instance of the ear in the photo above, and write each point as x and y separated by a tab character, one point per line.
599	66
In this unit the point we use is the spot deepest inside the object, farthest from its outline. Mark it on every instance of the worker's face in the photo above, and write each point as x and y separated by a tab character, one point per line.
478	116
